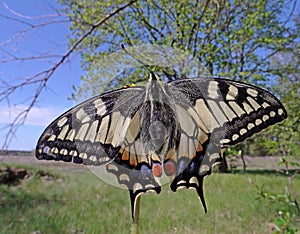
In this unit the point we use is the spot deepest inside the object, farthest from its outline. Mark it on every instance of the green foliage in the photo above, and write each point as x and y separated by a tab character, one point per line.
244	40
284	138
286	212
236	39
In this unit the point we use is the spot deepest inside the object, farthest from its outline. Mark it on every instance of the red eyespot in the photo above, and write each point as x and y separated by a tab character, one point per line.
157	170
170	168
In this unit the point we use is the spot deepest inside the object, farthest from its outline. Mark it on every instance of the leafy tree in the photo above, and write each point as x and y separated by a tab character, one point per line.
284	138
235	39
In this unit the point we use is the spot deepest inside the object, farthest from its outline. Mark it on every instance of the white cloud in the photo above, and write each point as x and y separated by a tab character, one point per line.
38	116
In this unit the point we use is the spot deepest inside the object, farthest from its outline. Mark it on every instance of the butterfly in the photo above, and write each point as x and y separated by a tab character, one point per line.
176	130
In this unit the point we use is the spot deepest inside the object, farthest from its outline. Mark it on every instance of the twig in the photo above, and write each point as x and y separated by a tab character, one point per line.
42	78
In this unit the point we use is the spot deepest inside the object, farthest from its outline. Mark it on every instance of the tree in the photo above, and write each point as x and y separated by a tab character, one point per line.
235	39
284	138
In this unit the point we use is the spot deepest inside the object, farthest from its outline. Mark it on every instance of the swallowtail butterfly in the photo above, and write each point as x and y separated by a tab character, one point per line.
178	129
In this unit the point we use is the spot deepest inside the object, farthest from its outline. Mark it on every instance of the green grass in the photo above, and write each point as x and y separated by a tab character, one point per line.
76	201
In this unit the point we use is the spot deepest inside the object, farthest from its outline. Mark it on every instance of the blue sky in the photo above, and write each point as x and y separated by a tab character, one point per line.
53	38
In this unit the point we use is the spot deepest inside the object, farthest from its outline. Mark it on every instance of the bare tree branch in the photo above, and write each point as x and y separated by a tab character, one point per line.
41	78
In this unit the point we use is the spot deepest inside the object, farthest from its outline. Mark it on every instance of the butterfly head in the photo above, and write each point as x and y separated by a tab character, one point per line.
153	77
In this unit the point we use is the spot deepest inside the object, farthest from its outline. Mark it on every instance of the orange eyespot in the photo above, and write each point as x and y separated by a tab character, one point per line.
170	168
157	170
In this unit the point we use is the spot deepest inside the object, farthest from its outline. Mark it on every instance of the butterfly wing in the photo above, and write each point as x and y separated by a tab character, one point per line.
103	130
210	113
222	113
89	133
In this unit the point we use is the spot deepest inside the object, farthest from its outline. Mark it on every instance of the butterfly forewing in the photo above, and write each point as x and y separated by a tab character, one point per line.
231	110
90	133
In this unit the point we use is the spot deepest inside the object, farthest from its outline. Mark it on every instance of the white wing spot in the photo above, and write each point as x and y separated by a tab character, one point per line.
220	117
258	121
124	177
63	152
93	158
54	150
103	159
82	116
213	157
272	113
213	90
252	92
265	105
237	109
194	180
205	115
100	107
86	119
204	168
137	186
227	110
247	108
243	131
197	119
62	121
73	153
265	118
90	136
180	182
52	137
232	93
224	141
120	130
250	126
115	118
83	155
112	167
101	134
235	137
280	111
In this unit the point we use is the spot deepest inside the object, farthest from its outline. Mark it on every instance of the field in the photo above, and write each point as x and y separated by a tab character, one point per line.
68	198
